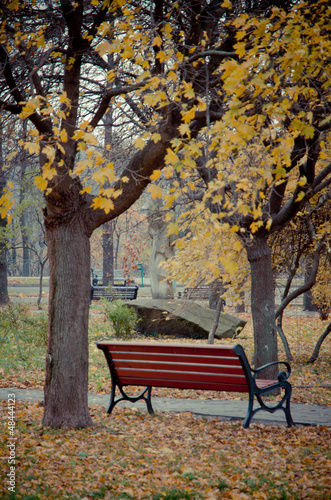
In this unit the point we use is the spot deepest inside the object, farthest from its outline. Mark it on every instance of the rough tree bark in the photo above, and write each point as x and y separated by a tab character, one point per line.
216	290
66	382
218	310
4	298
162	250
108	253
263	304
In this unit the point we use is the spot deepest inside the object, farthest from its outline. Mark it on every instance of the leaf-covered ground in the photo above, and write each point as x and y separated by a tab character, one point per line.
135	456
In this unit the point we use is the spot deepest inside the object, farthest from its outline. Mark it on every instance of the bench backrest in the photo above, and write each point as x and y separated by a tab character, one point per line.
184	366
201	292
125	292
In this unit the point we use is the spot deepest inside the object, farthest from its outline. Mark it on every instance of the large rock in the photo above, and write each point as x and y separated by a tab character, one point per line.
182	318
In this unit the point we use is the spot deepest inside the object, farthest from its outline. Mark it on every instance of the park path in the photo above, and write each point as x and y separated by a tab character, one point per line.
225	409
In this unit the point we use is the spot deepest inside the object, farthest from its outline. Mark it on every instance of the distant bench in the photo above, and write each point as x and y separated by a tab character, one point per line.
189	366
195	293
114	292
97	276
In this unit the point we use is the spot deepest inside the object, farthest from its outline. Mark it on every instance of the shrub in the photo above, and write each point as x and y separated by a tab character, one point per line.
123	318
24	329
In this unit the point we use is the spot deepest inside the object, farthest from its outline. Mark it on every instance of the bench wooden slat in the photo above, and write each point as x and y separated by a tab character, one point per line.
182	367
183	384
182	375
174	348
175	358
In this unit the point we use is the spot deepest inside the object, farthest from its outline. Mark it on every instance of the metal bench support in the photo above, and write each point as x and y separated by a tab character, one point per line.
255	391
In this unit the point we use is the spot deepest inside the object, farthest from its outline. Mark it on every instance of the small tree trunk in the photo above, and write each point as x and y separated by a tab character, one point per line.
108	253
4	298
219	309
240	308
308	303
281	333
263	305
42	266
315	354
66	382
216	290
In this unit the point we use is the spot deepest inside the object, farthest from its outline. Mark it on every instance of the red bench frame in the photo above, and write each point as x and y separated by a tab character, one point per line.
191	366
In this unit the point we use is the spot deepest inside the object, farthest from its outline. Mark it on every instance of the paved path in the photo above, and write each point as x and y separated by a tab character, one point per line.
225	410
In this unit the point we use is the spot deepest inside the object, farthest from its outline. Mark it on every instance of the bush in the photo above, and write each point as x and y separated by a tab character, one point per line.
123	318
24	329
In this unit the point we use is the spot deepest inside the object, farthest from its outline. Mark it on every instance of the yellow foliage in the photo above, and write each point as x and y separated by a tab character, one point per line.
155	191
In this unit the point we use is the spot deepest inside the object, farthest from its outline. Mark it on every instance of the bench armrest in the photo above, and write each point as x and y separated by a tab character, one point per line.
282	376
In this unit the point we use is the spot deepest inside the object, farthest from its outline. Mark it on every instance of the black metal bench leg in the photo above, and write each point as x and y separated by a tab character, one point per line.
133	399
112	402
148	401
287	411
250	412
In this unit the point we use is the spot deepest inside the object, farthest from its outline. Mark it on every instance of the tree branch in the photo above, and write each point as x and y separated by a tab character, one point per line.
309	283
108	95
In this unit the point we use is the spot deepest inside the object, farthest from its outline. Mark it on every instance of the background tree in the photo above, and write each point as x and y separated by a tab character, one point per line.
4	298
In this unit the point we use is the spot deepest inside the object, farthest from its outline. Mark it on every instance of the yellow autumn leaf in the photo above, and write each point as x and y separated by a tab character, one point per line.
189	115
157	41
64	98
229	265
32	147
155	191
162	56
171	157
156	137
49	151
184	129
172	228
103	203
78	134
63	135
155	175
90	138
139	143
300	196
40	183
268	224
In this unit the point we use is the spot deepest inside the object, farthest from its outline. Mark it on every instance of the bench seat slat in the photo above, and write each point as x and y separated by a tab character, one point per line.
175	374
121	365
150	347
185	384
174	358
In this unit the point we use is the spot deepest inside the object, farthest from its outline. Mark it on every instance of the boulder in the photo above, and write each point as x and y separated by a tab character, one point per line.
182	319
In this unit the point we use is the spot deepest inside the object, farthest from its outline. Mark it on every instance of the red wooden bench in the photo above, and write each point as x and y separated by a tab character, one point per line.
191	366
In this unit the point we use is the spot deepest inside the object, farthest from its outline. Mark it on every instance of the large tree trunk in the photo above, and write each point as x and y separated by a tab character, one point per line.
263	305
162	250
66	383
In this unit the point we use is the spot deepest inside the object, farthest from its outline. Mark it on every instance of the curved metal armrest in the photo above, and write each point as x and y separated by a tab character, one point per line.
282	376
